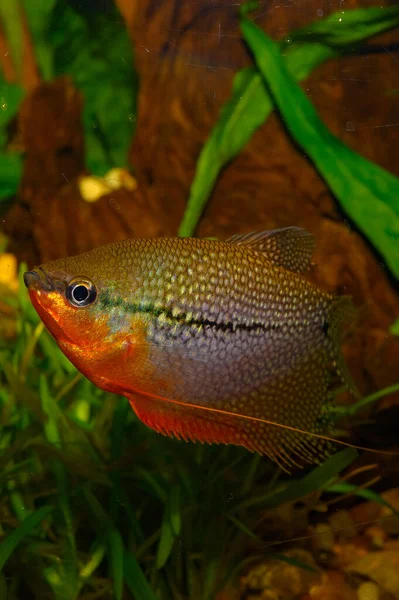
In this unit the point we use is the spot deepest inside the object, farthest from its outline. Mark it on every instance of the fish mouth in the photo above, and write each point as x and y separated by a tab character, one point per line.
39	280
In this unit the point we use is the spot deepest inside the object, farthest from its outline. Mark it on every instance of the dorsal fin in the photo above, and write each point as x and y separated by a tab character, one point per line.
291	247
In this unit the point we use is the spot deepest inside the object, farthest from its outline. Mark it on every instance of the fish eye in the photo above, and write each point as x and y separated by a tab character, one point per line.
81	292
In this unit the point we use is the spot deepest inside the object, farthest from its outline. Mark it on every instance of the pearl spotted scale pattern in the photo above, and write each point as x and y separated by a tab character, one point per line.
239	345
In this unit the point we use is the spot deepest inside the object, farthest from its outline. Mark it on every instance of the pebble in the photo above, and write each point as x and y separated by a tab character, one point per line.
368	591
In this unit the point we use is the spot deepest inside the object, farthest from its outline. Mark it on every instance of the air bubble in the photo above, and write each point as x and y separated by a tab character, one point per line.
132	118
320	12
288	40
350	126
3	104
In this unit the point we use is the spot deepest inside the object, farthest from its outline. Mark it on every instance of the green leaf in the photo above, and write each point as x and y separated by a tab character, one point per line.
135	579
242	527
38	15
10	99
352	409
117	557
52	433
175	509
367	192
313	481
348	488
394	329
10	174
194	579
9	544
96	51
250	103
10	163
292	561
10	18
171	525
342	29
167	539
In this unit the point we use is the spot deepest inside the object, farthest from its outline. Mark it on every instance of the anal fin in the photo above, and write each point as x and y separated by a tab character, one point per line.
283	444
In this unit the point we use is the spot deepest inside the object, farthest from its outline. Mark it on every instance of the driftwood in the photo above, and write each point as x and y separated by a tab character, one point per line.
187	53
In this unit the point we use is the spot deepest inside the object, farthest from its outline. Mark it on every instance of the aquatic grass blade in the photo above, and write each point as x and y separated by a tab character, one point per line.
193	578
171	526
297	489
175	509
135	579
53	436
367	193
121	561
348	488
251	104
117	441
116	551
8	545
352	409
167	539
293	562
242	527
315	480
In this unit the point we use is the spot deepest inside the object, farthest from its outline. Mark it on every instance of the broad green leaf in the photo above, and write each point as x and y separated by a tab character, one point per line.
9	544
367	192
38	15
394	329
10	99
344	28
10	163
10	19
96	51
250	103
10	174
135	579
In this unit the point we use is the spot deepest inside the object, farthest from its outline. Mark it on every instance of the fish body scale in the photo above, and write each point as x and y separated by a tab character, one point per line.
214	342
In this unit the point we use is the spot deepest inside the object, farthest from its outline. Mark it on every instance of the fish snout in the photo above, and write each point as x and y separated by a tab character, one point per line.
31	278
38	280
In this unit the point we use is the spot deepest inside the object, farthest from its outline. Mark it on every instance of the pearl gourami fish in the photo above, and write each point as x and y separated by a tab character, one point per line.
218	342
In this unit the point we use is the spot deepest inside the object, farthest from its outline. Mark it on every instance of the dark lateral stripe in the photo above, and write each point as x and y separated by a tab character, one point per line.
182	319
